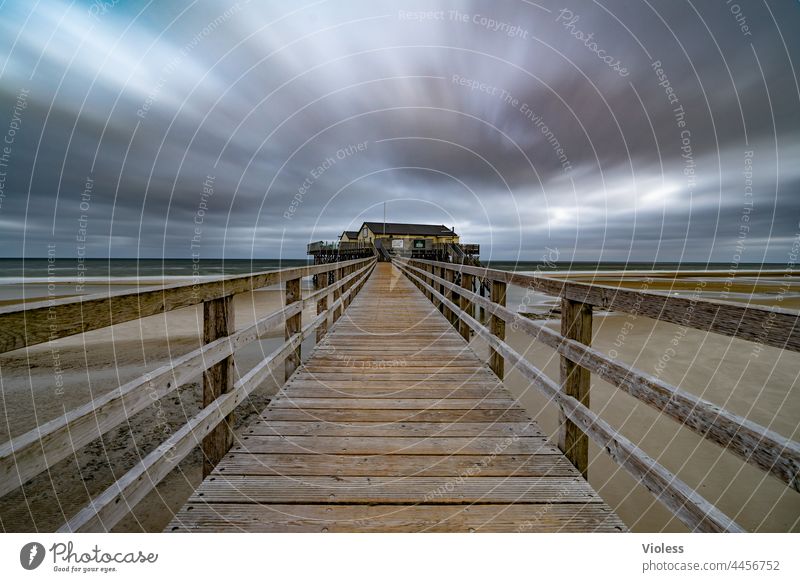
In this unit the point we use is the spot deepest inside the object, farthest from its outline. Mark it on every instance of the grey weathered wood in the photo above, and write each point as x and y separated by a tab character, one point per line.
755	444
683	501
115	502
498	328
34	323
394	445
292	294
401	465
466	304
337	312
374	490
497	517
105	510
322	307
344	443
771	326
576	324
449	276
27	455
218	322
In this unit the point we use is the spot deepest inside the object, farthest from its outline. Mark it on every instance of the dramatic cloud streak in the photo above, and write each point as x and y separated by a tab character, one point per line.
610	131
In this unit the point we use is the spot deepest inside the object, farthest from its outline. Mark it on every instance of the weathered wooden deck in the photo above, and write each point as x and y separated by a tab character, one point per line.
394	424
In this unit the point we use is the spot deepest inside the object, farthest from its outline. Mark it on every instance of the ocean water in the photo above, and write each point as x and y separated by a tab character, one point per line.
71	269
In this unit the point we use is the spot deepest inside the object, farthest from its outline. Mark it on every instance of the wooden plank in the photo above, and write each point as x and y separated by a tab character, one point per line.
397	415
302	381
576	324
322	390
402	375
426	429
394	445
395	403
218	322
532	465
539	518
373	490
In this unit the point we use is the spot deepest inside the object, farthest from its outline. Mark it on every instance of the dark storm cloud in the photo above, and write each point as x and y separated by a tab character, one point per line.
523	125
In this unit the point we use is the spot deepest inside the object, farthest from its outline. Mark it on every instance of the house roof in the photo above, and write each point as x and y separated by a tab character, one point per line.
412	229
350	234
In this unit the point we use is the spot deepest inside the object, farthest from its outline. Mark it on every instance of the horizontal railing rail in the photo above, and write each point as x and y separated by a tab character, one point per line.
771	326
117	500
753	443
34	323
24	457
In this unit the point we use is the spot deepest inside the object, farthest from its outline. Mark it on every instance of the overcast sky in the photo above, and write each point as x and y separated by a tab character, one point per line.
609	130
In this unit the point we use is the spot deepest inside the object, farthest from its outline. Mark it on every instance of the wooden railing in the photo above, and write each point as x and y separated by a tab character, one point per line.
451	287
33	452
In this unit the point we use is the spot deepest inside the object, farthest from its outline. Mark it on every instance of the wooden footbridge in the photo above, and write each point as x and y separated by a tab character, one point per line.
392	422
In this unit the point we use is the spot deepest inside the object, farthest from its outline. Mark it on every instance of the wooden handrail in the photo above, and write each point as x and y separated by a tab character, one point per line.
684	502
745	322
30	453
34	323
105	510
751	442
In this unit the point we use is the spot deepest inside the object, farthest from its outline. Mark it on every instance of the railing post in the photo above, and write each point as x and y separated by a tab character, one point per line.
345	287
498	328
428	269
442	307
218	321
576	324
482	290
467	306
322	305
293	325
337	294
349	271
450	277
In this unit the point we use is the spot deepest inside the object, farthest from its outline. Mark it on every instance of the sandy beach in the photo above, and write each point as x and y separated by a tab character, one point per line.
761	386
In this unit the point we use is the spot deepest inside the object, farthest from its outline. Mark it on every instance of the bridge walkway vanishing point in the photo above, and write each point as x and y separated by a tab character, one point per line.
394	424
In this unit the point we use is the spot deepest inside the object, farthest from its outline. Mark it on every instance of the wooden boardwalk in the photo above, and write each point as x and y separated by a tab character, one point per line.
394	424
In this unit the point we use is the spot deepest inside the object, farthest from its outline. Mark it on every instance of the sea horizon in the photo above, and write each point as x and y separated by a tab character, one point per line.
17	269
